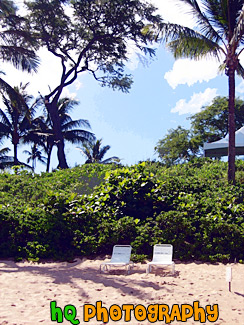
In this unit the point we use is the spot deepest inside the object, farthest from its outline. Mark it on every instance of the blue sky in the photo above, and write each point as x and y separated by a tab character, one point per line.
164	94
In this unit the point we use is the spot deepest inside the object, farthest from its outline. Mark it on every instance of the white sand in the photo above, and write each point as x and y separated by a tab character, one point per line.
26	290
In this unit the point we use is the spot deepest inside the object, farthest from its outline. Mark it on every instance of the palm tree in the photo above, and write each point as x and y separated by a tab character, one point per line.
72	130
220	34
16	120
35	154
42	135
94	153
17	46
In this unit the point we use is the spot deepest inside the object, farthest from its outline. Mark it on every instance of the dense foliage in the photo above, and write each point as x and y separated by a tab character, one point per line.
88	209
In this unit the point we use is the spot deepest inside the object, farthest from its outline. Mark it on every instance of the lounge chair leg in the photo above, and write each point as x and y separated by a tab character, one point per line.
173	268
103	268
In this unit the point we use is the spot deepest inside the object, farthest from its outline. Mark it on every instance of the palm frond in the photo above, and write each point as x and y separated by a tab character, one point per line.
111	160
64	118
102	152
239	29
5	123
7	8
240	70
5	131
6	87
27	152
194	47
4	151
13	95
203	22
78	136
222	67
20	57
25	125
75	123
86	152
217	13
66	104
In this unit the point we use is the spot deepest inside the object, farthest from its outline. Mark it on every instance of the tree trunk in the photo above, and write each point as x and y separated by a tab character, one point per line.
15	154
58	136
15	141
48	160
231	152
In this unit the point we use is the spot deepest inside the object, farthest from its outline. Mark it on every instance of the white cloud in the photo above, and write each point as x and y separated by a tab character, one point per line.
195	103
174	12
186	71
67	93
77	84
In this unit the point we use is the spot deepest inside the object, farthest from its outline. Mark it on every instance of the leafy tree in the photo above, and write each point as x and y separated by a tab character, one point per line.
92	39
220	34
211	123
34	155
94	152
16	43
176	147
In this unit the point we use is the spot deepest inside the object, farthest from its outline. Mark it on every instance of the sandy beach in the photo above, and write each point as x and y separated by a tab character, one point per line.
27	290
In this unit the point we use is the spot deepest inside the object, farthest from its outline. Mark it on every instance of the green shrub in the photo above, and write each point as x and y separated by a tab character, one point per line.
88	209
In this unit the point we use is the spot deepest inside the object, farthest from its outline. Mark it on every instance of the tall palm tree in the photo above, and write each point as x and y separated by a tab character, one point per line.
220	34
16	120
94	152
72	130
17	46
34	155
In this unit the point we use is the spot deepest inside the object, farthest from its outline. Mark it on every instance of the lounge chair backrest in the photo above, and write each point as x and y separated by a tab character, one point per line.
121	253
162	253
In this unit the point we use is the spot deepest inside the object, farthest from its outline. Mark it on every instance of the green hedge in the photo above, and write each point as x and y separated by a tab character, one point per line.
88	209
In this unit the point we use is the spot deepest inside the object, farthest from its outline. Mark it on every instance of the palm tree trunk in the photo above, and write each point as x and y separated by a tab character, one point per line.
231	152
15	141
15	154
48	160
59	140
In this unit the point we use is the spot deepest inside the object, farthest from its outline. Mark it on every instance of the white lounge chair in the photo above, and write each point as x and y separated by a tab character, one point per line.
120	257
162	255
